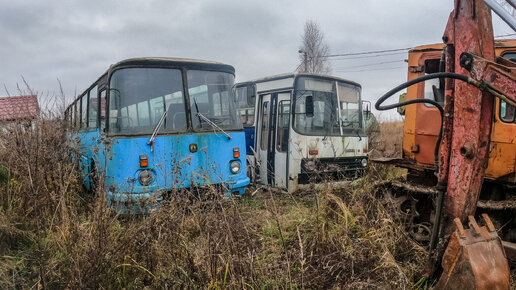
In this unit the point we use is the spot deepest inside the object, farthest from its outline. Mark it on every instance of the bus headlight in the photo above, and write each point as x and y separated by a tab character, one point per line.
235	167
364	162
145	177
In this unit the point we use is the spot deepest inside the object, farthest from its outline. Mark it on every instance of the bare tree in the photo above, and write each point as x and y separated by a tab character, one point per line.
313	50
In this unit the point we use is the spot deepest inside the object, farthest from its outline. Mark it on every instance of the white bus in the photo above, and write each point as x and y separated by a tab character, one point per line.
308	128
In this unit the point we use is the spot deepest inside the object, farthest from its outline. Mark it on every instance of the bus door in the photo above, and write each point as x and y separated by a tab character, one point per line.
272	139
281	133
262	139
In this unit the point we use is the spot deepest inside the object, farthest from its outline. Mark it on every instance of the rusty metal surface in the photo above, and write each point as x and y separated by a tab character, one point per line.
449	88
470	30
508	204
474	259
405	162
415	187
500	76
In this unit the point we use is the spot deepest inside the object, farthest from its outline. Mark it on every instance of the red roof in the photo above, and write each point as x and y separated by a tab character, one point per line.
18	107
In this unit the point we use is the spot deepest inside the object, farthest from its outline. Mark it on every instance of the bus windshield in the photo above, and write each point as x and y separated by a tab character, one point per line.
211	95
349	101
336	107
140	96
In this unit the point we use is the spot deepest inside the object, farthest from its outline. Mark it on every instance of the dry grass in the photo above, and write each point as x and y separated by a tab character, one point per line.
53	234
386	141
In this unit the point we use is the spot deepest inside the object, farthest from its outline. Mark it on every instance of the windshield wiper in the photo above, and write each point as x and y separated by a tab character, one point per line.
197	110
156	129
207	120
210	122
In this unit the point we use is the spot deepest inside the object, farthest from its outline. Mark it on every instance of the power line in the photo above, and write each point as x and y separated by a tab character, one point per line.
384	52
369	56
366	70
372	64
380	53
368	52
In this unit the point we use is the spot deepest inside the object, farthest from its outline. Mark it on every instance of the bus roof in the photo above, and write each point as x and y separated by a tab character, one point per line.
173	62
295	75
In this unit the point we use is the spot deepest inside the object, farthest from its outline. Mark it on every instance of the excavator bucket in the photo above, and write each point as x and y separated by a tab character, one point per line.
474	258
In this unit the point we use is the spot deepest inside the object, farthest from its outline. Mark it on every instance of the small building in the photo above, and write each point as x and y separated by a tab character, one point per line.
18	109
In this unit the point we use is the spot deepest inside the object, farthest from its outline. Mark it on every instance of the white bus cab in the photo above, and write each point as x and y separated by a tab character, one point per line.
309	128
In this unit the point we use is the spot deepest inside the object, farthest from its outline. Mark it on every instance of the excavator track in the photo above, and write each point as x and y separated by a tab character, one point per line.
415	205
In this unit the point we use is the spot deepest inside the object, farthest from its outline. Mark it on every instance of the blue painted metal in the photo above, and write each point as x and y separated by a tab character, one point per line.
249	140
171	163
88	146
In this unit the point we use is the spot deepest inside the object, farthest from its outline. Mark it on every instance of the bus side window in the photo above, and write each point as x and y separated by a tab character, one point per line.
76	115
93	108
102	115
507	112
84	111
265	126
283	121
72	116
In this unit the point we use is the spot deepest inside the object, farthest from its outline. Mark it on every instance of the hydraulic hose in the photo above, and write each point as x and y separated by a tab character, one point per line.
378	105
441	76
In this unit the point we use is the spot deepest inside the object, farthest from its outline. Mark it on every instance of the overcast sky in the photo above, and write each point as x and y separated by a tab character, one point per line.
76	41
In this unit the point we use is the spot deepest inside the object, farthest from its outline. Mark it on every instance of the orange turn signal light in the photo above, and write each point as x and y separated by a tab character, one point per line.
144	161
236	152
313	151
365	150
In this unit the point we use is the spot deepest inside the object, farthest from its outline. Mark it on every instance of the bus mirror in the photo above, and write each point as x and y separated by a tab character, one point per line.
367	112
309	106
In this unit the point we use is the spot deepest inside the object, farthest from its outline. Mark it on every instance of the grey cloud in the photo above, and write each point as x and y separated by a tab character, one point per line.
76	41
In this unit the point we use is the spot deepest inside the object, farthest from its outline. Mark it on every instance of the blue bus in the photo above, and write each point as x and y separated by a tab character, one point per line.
150	126
245	95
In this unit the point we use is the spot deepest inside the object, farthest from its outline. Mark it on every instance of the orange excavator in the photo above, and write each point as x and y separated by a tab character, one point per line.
468	100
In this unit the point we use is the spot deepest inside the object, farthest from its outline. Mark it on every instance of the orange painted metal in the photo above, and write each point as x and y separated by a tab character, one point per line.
421	123
413	123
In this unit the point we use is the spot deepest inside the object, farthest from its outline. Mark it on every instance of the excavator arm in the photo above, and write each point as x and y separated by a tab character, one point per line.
470	257
474	257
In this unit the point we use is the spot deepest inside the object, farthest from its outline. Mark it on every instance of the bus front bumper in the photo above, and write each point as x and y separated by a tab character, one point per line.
135	203
148	202
237	186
